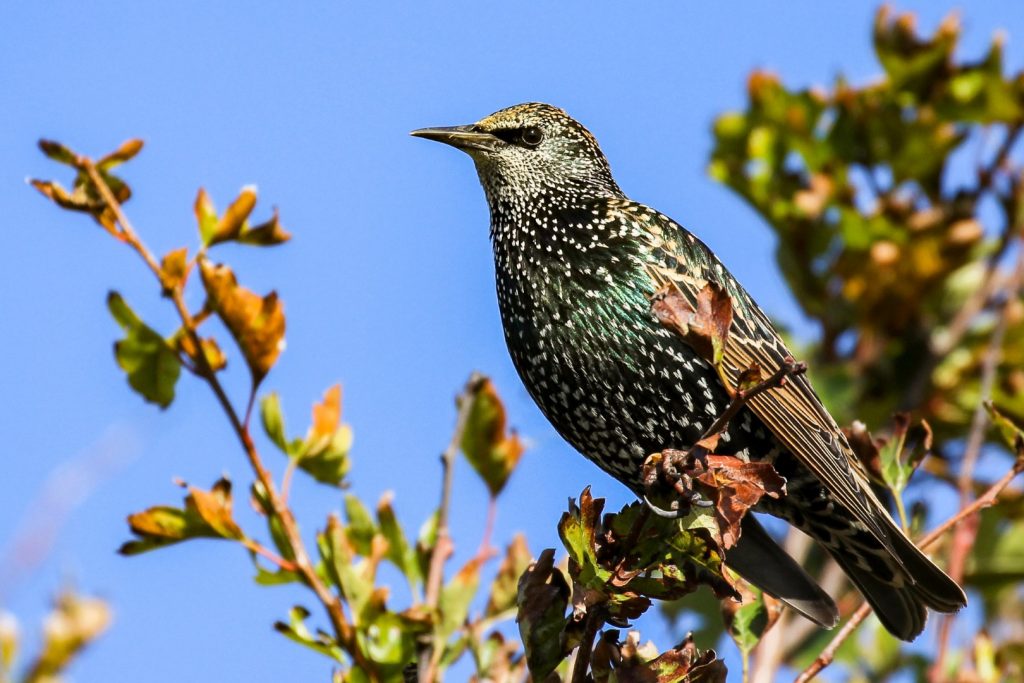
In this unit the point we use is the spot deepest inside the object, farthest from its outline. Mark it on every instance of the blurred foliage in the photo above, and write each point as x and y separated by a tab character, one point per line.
878	195
898	208
73	624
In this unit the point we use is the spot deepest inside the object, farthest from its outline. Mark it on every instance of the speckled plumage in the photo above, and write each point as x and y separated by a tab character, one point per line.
576	263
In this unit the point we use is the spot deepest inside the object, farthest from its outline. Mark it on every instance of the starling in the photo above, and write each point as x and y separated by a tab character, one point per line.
577	263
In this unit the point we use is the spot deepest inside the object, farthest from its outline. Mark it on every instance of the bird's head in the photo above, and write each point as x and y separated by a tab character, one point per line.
531	150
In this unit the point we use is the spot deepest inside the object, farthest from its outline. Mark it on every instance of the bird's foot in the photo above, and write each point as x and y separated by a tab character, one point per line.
674	473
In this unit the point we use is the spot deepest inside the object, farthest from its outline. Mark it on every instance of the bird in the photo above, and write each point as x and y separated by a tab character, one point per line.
576	266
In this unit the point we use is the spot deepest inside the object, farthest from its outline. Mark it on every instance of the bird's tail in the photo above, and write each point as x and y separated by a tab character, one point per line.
900	600
762	562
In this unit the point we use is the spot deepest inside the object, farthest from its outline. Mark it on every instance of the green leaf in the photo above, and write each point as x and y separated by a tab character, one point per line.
668	558
456	598
399	552
506	582
389	643
331	464
206	216
361	528
324	453
337	551
425	542
894	468
749	620
542	599
491	452
261	502
58	152
295	629
273	420
148	359
1011	431
280	577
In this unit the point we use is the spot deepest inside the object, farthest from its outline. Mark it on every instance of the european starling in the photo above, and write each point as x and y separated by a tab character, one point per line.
577	263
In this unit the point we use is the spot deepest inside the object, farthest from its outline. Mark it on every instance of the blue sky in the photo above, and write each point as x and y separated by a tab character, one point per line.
388	283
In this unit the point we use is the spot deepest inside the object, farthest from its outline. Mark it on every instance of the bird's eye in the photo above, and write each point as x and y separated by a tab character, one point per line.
531	136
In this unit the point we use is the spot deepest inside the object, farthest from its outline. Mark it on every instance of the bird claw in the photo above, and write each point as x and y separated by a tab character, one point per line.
701	502
662	512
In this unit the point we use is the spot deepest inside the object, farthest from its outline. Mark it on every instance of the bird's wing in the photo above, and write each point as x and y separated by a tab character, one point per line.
794	413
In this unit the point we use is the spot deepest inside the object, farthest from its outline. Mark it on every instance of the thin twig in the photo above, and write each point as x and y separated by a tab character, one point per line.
286	479
987	174
264	551
963	539
485	541
740	397
987	499
430	651
303	566
581	662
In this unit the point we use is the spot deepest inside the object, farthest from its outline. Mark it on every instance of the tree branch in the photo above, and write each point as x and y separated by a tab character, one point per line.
430	651
581	662
303	566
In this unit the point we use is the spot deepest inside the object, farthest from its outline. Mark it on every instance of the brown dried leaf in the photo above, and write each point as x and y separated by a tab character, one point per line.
174	269
491	448
265	234
682	664
326	416
738	486
706	327
866	448
206	514
231	224
215	357
127	150
749	378
257	323
214	507
75	201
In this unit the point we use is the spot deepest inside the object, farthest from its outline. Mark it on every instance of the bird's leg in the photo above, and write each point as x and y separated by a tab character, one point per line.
677	470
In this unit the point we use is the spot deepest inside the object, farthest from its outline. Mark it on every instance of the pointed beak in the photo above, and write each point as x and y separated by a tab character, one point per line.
466	138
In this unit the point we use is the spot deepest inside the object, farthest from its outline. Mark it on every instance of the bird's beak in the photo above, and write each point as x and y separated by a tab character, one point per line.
466	138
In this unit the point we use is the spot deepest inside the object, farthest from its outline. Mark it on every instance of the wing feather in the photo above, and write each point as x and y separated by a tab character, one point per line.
793	413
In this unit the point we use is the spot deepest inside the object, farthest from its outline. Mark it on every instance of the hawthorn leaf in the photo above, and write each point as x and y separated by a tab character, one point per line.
491	449
256	323
148	359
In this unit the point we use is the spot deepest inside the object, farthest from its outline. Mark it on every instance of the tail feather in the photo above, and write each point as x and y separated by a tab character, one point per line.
920	584
900	610
760	560
932	586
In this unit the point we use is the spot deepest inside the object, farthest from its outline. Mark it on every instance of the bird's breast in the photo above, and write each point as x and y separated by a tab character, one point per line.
611	380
